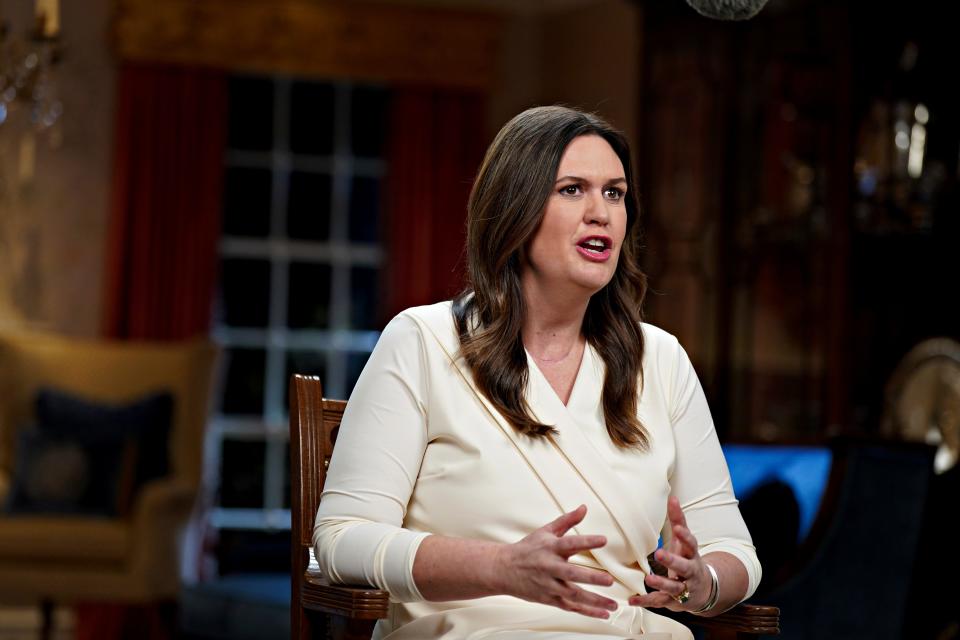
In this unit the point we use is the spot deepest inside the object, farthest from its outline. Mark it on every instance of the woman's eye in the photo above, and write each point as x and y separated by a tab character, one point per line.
612	193
570	190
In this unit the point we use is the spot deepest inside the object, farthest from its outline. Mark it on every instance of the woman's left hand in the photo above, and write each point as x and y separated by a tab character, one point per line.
685	569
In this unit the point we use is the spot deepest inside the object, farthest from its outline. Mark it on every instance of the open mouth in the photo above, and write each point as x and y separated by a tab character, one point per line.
595	246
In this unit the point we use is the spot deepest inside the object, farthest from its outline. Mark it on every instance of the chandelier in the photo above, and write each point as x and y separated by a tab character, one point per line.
30	111
28	89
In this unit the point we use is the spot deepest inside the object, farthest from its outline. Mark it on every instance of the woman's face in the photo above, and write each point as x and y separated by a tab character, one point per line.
577	245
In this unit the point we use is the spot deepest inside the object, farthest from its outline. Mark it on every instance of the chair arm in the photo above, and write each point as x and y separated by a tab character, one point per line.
357	603
160	513
162	498
365	603
744	618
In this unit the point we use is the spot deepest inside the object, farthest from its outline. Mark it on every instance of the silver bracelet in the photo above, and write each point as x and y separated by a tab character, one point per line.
714	591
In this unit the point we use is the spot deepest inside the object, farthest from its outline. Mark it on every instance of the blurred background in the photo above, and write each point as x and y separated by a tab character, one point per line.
279	177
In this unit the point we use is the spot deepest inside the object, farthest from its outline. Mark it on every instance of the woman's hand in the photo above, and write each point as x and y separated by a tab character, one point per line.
685	569
536	568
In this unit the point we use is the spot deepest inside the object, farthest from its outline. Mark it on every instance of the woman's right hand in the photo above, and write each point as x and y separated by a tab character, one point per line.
537	568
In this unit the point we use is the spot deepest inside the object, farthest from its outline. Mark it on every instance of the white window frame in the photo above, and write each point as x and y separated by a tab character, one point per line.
277	339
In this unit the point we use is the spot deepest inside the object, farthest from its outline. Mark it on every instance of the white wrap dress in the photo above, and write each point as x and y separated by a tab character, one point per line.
422	451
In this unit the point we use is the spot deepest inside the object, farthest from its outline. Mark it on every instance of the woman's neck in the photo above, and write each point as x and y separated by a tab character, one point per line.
553	325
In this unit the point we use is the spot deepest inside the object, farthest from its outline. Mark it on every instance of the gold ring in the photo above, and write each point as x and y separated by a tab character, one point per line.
684	596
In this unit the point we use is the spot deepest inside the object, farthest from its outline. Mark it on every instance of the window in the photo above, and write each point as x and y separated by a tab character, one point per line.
300	269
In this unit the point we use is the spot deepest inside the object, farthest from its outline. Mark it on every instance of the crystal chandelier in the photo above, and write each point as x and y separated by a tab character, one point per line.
30	112
28	88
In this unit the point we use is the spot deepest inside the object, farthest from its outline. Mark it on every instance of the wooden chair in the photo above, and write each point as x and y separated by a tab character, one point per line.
323	610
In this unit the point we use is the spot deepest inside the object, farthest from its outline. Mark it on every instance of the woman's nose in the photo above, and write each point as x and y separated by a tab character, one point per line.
596	209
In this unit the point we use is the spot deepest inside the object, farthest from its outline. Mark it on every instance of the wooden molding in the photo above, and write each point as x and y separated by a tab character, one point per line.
355	40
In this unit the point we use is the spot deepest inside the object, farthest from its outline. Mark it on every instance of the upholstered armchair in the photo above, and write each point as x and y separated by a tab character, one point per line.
132	556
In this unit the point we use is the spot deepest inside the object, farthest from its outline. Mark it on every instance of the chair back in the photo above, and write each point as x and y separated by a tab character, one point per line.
852	574
314	422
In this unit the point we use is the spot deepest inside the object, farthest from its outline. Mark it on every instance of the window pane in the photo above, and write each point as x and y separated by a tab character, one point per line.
241	473
308	210
355	363
243	391
246	202
309	363
364	298
309	298
251	114
365	210
245	292
368	121
311	118
245	551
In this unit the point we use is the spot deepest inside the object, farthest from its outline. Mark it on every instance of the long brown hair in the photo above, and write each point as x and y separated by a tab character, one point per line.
505	209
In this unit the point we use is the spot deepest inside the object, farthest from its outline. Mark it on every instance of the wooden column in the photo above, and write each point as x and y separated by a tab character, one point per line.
684	96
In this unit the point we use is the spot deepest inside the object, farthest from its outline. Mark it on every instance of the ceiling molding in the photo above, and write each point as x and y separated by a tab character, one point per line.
387	43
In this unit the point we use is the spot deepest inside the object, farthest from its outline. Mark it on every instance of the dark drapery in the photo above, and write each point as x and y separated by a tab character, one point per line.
161	252
165	210
437	139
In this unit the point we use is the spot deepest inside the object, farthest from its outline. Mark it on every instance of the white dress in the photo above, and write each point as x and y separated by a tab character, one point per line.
421	450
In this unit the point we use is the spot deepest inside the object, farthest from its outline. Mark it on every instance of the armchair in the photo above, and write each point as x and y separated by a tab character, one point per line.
319	609
867	534
132	558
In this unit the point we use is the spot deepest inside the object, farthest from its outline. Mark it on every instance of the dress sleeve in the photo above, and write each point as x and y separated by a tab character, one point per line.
700	479
358	535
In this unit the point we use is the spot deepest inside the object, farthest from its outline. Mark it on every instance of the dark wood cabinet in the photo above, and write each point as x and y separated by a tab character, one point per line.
792	247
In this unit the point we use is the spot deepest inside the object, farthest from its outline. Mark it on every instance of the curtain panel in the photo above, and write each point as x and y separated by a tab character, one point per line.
437	140
165	219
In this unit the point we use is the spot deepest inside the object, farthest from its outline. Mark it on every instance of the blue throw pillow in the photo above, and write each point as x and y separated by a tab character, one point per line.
146	420
66	475
122	447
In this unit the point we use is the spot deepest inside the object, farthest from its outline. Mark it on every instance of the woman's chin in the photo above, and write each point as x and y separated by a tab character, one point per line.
594	280
592	286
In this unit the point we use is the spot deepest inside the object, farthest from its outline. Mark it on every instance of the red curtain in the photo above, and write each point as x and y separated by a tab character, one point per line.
161	252
437	140
165	219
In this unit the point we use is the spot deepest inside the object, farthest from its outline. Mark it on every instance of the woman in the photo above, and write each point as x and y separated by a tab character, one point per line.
508	460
